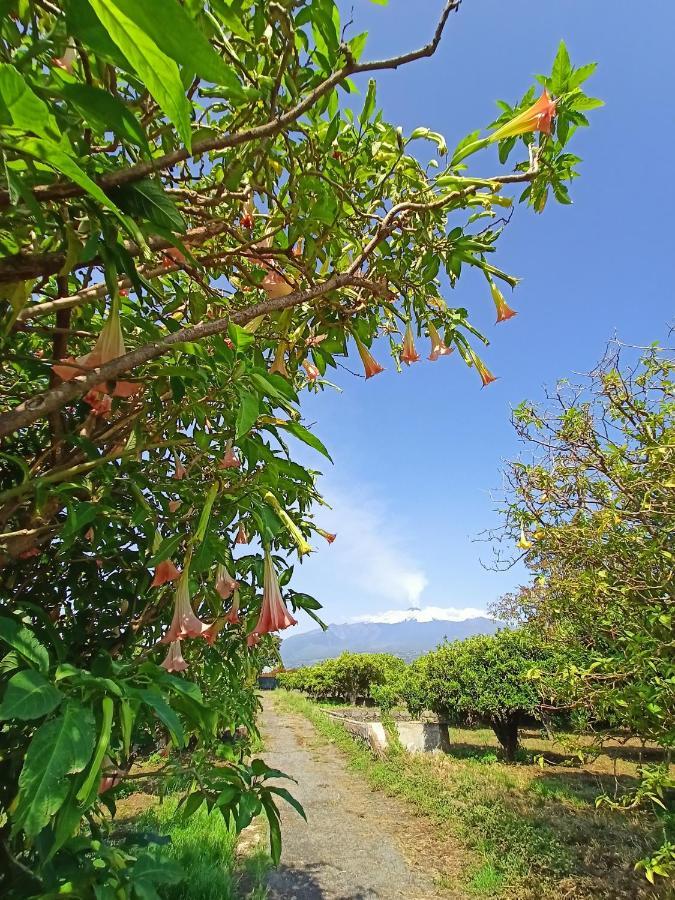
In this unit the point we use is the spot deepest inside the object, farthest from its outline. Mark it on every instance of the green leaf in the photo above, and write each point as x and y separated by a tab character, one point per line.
240	338
275	828
22	108
49	153
290	799
60	747
156	870
104	112
166	549
357	45
562	67
306	436
146	199
107	707
248	412
29	696
24	642
369	103
158	71
167	24
164	713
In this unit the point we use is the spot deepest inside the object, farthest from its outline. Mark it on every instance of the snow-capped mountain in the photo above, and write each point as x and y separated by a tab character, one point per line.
406	633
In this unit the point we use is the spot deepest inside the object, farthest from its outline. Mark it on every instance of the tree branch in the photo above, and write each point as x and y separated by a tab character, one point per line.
64	190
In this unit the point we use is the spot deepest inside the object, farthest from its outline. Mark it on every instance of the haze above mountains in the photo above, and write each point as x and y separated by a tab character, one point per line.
405	633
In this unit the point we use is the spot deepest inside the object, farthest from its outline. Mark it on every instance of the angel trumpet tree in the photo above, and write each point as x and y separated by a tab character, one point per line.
190	208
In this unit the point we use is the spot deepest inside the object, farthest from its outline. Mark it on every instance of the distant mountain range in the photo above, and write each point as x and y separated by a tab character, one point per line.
409	638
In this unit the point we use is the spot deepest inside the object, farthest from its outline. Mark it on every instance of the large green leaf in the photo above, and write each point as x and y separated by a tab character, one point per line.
24	642
104	111
249	410
303	434
179	37
160	73
147	199
28	696
51	154
59	748
22	108
164	713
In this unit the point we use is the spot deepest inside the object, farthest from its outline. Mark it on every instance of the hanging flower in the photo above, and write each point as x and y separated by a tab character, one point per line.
101	404
279	363
225	583
242	537
409	354
310	369
230	460
504	311
232	618
213	631
523	543
184	623
174	505
438	345
109	346
486	375
165	572
109	781
174	662
66	61
370	364
537	117
326	534
273	614
179	471
252	640
275	285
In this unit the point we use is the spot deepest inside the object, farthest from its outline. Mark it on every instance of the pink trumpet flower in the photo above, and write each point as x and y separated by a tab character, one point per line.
110	781
109	346
230	460
225	583
242	537
409	354
504	311
184	623
179	471
273	614
326	534
232	618
165	572
438	345
252	640
370	364
213	631
486	375
310	370
275	285
538	117
174	662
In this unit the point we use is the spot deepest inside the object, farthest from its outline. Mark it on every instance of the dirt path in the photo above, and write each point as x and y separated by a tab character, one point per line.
356	843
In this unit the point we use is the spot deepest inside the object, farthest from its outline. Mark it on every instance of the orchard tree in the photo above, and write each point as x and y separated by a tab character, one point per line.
592	509
481	678
201	215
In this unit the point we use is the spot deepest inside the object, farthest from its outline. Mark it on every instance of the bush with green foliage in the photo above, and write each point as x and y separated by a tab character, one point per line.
482	678
350	677
196	225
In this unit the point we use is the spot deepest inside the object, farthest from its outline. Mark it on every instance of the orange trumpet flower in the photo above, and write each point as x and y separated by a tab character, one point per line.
370	364
409	354
537	117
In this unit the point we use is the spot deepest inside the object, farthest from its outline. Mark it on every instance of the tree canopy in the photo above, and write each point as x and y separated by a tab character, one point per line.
201	216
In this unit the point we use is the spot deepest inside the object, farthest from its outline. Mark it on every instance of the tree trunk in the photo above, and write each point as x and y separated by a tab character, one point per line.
506	730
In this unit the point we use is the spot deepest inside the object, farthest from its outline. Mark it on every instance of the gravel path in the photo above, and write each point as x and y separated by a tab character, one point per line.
353	846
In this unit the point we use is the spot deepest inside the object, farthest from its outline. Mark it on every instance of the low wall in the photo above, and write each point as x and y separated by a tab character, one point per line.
415	736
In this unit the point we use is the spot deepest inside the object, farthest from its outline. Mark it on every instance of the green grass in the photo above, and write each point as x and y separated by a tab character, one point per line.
204	846
528	834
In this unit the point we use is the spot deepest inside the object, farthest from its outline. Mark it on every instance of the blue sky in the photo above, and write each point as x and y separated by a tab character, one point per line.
418	454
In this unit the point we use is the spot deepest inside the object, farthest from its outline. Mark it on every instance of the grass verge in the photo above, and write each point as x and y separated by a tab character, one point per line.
535	834
206	849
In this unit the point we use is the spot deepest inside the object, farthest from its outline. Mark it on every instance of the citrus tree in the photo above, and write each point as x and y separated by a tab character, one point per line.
591	511
201	214
482	678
